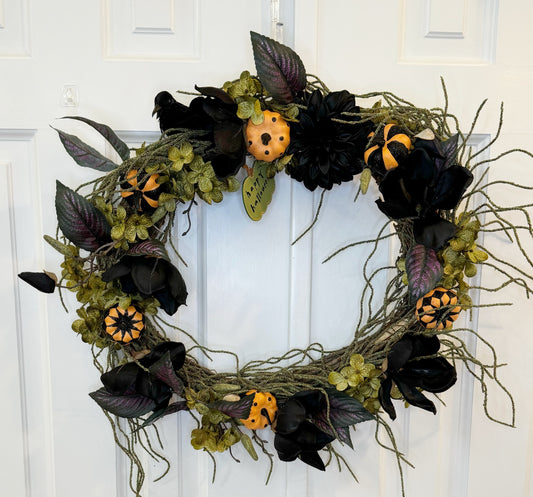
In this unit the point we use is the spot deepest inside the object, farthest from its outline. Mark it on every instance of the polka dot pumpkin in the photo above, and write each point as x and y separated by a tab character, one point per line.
263	411
269	140
124	325
438	309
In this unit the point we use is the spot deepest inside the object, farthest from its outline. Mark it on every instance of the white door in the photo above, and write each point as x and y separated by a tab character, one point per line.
250	291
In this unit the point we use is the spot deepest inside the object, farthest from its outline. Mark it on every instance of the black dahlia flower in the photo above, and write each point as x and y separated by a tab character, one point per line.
296	436
410	367
427	181
327	152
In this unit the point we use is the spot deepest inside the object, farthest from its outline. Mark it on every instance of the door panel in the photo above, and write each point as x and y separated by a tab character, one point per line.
405	47
250	290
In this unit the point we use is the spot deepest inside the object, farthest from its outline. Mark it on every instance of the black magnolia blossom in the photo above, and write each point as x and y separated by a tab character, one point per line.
131	379
150	277
296	436
413	363
327	152
215	113
427	181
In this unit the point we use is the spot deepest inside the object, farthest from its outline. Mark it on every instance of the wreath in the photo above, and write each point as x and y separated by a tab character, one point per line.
115	240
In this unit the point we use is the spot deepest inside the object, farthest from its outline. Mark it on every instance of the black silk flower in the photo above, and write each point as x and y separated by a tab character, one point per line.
423	184
215	113
410	369
296	436
327	152
131	379
150	277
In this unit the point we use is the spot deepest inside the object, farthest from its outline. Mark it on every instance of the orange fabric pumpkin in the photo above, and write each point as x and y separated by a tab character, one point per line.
263	412
269	140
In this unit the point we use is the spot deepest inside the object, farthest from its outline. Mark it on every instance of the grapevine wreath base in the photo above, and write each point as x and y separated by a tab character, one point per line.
114	240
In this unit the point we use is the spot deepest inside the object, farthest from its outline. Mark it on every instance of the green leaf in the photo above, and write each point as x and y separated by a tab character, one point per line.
257	192
470	270
233	184
479	255
245	109
62	248
216	196
121	148
365	180
79	220
225	388
85	155
249	446
117	231
205	184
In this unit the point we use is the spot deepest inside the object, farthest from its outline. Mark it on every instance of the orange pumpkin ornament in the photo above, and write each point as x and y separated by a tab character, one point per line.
438	309
124	325
269	140
142	196
390	146
263	411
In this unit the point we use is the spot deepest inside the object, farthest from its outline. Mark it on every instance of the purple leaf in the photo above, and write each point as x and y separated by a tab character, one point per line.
150	248
121	148
210	91
343	434
83	154
423	270
240	409
344	410
170	409
164	371
79	220
449	150
279	68
125	406
321	423
340	433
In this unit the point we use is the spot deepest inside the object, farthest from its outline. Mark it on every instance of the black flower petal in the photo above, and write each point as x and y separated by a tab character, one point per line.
133	379
434	374
384	396
150	277
290	417
416	398
121	380
433	231
40	281
312	459
327	152
451	186
413	363
214	113
424	183
296	435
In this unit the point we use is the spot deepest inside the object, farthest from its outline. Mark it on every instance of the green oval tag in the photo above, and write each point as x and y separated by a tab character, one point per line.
257	191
